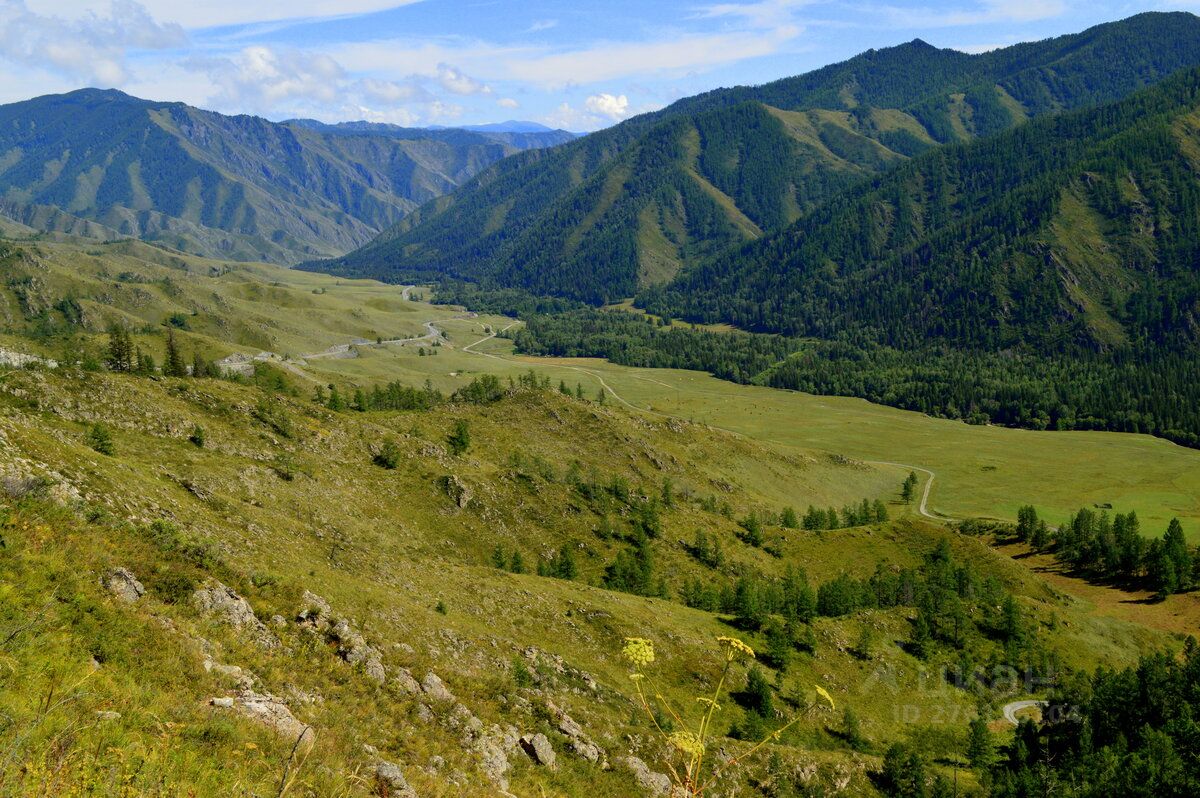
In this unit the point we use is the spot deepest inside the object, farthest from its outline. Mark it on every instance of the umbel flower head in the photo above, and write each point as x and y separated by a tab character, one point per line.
638	651
735	649
686	742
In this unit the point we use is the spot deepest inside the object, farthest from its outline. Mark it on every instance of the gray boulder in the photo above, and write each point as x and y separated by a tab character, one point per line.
538	748
389	776
123	585
653	783
435	688
217	600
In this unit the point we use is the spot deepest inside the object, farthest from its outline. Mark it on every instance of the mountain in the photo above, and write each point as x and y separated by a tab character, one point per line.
1042	277
104	164
511	126
520	135
1075	232
632	206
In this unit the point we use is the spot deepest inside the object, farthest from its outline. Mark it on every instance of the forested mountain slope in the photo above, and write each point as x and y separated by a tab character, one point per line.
1046	276
104	164
631	206
1077	231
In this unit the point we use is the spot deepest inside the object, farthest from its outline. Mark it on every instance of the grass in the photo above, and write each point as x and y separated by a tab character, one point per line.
980	471
388	548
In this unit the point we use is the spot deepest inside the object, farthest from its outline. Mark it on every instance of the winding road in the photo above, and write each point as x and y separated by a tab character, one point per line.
1011	710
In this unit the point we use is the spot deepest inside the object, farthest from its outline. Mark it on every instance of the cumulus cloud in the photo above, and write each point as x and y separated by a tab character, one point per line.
456	81
508	102
611	106
392	92
92	47
261	78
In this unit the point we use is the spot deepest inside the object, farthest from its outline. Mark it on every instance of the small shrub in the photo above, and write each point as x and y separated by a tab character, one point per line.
100	438
459	439
388	455
520	671
198	437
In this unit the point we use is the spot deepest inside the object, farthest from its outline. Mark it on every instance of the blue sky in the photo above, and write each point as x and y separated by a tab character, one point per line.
576	64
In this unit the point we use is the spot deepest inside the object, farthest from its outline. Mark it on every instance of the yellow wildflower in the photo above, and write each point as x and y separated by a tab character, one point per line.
638	651
736	648
687	742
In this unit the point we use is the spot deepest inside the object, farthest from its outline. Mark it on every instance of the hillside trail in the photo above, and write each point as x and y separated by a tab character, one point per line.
922	508
1011	709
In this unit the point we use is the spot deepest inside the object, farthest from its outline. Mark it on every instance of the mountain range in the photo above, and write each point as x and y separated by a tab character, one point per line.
602	217
103	164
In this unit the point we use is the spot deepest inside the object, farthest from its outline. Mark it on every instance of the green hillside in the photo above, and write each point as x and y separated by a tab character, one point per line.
628	207
102	164
282	495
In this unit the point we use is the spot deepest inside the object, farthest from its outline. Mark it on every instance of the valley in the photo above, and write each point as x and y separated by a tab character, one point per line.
835	434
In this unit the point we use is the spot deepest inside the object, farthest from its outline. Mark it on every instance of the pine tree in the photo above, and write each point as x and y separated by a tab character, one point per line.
101	440
200	366
335	403
979	744
120	356
459	439
173	365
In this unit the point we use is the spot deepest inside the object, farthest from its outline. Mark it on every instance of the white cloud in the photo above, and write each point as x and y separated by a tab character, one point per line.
677	54
613	107
541	25
508	102
262	79
765	14
392	92
988	11
454	80
214	13
92	48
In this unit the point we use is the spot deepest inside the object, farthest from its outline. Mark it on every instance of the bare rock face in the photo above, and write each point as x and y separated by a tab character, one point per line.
435	688
390	778
123	585
313	607
268	710
653	783
227	606
580	742
458	491
538	748
406	683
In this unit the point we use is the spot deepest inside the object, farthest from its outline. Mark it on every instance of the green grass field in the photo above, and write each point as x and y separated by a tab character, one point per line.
980	471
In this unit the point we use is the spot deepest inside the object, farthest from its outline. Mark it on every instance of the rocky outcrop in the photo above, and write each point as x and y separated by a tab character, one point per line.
316	614
406	683
458	491
268	710
580	742
537	747
433	686
123	585
652	782
225	605
390	779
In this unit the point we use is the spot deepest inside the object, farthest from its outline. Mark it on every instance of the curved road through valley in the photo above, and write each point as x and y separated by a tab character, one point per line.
1011	710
